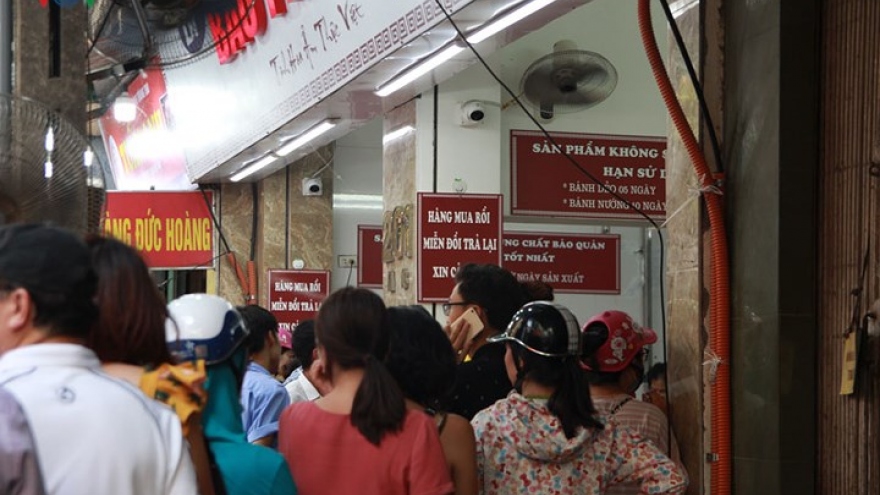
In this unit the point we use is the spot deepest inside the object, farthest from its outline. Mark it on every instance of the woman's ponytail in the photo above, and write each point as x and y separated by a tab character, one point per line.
571	401
378	406
352	326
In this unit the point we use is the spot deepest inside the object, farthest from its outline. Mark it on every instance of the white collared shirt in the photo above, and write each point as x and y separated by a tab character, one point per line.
94	433
302	390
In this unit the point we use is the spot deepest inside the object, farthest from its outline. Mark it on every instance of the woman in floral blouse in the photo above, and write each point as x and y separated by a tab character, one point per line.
544	438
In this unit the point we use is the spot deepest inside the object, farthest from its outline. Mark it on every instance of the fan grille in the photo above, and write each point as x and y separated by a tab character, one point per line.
180	36
74	195
569	81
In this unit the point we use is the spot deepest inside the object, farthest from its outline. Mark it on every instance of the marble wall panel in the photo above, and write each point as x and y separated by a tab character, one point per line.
236	220
311	217
290	226
685	264
399	190
273	227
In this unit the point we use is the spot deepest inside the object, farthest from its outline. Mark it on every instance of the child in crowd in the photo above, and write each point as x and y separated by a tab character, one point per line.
287	364
544	437
309	384
423	363
656	394
359	437
614	349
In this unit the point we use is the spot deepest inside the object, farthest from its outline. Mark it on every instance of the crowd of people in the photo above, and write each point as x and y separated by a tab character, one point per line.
105	389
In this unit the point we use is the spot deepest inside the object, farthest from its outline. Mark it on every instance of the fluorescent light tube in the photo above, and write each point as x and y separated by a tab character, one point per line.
419	70
516	15
305	137
253	168
50	140
399	133
88	157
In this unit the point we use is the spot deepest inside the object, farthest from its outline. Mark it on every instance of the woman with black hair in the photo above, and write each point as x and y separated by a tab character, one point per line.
423	363
544	437
360	438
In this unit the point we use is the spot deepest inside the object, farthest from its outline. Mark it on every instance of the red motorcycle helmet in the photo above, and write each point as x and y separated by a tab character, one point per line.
611	340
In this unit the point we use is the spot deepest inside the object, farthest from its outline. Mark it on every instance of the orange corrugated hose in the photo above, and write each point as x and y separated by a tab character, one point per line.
239	273
252	282
719	307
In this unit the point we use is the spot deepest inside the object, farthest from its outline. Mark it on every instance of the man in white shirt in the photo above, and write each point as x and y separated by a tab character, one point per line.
307	386
93	433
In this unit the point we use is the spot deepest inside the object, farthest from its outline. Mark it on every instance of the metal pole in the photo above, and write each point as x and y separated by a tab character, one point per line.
6	46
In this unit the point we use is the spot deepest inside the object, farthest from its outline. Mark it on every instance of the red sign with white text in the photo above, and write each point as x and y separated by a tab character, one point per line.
545	183
294	296
455	229
143	153
171	230
370	256
571	263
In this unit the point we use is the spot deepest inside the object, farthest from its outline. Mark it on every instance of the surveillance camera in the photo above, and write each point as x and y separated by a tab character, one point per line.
312	187
472	113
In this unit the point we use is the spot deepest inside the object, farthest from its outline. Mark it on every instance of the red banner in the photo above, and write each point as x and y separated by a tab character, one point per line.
545	183
172	230
455	229
572	263
296	295
370	256
144	154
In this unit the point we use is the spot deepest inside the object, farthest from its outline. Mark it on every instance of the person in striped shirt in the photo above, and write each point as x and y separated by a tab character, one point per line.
614	349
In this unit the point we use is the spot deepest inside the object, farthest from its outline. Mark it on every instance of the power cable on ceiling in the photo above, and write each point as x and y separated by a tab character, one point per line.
567	156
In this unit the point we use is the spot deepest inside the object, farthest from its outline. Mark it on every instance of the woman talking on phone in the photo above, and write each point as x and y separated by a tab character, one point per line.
544	438
362	426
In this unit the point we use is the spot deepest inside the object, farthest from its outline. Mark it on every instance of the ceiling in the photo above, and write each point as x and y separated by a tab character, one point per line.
117	39
356	103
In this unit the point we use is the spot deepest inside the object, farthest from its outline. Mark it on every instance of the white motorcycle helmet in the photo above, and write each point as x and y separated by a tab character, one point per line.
203	326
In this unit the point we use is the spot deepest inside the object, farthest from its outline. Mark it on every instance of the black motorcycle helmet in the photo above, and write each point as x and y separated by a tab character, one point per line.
545	328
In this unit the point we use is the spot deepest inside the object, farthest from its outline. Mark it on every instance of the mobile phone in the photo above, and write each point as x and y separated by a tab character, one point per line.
473	319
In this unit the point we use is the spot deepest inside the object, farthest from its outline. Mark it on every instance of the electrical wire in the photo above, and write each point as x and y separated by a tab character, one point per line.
698	87
350	271
254	219
214	219
230	254
568	157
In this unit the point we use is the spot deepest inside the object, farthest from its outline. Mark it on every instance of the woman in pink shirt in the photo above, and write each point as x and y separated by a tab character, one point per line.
360	438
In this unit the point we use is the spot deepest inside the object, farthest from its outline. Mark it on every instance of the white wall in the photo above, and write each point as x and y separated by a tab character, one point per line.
357	193
481	155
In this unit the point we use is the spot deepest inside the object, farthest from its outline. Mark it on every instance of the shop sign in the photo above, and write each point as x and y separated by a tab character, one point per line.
143	154
545	183
275	65
370	256
171	230
294	296
570	263
453	230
